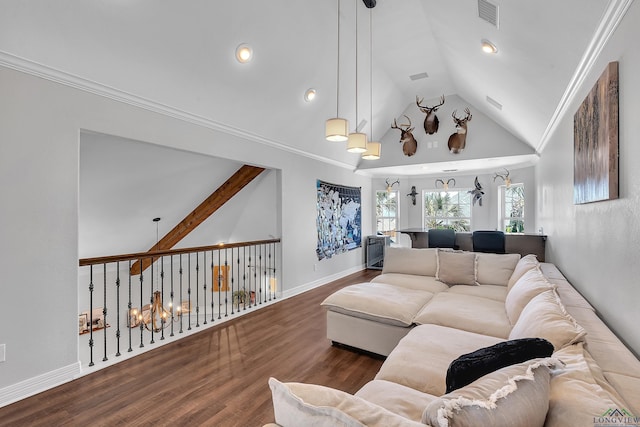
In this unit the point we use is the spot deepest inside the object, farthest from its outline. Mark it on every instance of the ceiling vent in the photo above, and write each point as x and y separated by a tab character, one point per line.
419	76
488	12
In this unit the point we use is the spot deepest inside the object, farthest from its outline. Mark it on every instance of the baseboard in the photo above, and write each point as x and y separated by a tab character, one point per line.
38	384
320	282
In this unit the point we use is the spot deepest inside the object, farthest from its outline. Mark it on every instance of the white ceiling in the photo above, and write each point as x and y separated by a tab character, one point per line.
180	55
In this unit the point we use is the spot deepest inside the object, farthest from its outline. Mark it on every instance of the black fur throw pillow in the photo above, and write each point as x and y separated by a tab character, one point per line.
469	367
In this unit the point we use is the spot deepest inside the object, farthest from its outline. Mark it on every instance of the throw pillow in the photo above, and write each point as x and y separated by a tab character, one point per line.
471	366
514	396
420	262
528	286
298	404
456	268
495	269
525	264
545	317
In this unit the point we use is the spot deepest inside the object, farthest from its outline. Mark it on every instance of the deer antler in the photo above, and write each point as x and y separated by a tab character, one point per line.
426	109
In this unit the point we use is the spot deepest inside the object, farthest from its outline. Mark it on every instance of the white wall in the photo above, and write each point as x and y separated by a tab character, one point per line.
40	125
597	245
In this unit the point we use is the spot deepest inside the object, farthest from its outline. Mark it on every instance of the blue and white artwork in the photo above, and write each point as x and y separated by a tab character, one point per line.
339	219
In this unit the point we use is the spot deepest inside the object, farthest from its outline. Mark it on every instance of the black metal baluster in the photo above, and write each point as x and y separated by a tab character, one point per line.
163	314
219	287
104	310
129	306
213	281
91	316
153	317
260	261
275	276
189	290
197	291
244	276
204	286
140	317
117	309
232	287
225	275
181	305
248	272
172	301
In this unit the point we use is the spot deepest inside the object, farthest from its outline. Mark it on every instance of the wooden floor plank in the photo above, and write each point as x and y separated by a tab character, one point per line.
217	377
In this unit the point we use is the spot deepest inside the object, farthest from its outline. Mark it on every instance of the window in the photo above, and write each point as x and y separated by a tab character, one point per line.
512	208
447	209
387	213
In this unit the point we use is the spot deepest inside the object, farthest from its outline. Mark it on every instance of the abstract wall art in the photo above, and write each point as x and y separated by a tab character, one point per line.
339	219
595	142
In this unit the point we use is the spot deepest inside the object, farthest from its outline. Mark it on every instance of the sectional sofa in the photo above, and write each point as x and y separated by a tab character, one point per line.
431	311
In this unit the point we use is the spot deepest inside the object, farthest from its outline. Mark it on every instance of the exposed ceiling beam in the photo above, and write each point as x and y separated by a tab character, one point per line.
217	199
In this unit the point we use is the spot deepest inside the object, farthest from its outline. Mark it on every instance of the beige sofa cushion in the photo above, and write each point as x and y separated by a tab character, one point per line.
494	292
545	317
297	404
525	264
422	357
517	395
579	392
466	312
399	399
421	262
495	269
379	302
456	268
411	281
528	286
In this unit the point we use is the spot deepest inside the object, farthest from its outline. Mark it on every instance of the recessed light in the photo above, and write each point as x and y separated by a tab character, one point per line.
310	94
488	47
244	53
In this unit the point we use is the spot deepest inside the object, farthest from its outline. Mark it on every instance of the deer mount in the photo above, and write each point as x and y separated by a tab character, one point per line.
504	177
409	143
431	121
458	140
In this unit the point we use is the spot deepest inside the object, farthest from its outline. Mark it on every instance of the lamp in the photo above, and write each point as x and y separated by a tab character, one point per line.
357	141
445	185
337	129
244	53
488	47
390	186
153	316
373	148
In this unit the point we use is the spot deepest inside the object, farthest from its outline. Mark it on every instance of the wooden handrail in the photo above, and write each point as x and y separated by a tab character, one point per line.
141	255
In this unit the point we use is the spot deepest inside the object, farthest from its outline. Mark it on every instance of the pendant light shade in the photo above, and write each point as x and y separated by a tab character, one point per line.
357	142
373	151
336	130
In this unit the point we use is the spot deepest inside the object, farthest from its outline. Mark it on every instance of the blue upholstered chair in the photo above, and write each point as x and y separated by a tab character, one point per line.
488	241
442	238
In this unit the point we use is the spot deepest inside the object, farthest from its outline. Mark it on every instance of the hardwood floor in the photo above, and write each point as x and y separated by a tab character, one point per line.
217	377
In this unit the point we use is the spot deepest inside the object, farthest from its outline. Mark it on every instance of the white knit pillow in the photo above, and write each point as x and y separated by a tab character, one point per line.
517	395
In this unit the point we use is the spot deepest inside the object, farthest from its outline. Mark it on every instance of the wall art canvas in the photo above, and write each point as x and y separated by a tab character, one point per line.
339	219
595	127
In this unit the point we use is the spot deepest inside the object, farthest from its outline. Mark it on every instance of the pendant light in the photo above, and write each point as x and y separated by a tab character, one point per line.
357	142
336	129
373	148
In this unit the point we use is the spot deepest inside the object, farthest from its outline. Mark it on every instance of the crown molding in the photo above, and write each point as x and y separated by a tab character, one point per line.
611	18
27	66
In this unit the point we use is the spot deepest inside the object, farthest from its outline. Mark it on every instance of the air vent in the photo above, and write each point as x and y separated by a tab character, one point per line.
488	12
419	76
493	102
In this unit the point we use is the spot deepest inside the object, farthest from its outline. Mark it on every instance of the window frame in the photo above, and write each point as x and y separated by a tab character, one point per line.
503	218
395	219
460	191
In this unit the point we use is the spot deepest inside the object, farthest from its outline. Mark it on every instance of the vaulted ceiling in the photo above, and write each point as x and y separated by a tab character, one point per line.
178	57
